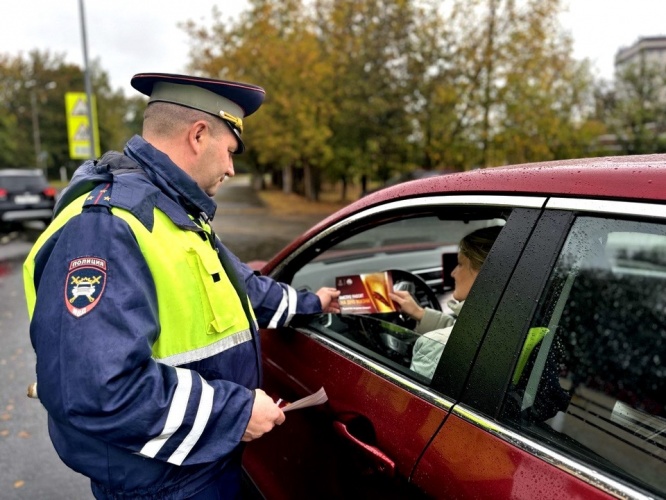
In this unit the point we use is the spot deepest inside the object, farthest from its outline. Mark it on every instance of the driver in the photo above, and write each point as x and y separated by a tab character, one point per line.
435	325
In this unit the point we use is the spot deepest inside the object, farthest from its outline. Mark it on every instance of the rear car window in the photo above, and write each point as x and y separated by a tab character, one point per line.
22	182
591	377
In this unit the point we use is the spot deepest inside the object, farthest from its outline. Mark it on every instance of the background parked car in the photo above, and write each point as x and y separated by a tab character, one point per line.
25	195
552	382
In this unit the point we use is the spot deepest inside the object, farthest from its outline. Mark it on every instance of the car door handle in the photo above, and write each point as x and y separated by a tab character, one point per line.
380	460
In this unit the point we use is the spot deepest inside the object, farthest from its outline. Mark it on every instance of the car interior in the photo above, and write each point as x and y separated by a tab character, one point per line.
419	252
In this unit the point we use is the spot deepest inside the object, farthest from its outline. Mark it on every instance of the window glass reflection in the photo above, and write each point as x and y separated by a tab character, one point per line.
591	378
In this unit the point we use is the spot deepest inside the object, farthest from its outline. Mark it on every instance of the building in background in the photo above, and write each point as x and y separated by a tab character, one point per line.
649	50
646	59
635	106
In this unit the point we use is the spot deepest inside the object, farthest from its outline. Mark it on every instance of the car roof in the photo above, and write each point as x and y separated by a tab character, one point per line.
631	178
638	178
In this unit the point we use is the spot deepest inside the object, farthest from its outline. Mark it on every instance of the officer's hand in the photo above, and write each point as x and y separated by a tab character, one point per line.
407	304
265	415
329	299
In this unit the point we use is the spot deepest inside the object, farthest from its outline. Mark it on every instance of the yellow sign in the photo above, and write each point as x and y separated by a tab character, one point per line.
78	127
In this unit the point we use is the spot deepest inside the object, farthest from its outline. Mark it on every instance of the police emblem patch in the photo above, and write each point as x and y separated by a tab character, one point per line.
85	285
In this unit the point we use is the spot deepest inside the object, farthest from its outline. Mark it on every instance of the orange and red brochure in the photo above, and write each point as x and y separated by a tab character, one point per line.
365	293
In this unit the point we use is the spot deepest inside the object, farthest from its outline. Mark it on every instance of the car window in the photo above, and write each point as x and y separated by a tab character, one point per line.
590	379
22	182
414	250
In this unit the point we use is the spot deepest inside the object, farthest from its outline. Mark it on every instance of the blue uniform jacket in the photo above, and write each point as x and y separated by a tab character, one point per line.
105	395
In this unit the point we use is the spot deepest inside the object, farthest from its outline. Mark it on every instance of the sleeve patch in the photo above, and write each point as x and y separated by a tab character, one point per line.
84	285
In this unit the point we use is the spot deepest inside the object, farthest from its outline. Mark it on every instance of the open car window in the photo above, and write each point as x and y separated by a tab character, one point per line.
416	251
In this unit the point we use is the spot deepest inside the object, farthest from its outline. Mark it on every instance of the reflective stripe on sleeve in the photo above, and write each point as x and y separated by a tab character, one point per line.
200	422
208	351
176	413
280	310
293	301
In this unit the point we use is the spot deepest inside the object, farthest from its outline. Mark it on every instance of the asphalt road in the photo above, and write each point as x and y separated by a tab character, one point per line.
29	467
248	228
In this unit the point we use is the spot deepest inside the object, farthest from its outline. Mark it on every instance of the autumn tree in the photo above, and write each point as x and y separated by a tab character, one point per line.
503	85
445	80
367	42
272	45
32	96
334	77
362	89
8	122
544	95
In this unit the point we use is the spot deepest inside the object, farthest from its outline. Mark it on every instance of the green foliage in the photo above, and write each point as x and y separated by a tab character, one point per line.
7	141
368	88
634	109
32	92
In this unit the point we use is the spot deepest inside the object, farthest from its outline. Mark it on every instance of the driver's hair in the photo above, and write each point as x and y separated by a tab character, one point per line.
477	244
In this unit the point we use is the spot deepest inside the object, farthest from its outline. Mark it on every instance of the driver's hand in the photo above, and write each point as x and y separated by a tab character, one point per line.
407	304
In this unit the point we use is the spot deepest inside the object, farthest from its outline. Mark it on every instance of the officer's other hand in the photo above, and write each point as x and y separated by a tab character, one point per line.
265	415
329	299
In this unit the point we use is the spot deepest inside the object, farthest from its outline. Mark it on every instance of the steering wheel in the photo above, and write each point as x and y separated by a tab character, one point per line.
422	293
387	338
425	297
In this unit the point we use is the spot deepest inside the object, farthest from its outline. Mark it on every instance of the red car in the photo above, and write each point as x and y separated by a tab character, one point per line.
552	383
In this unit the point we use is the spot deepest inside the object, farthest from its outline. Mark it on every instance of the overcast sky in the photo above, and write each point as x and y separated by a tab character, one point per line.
134	36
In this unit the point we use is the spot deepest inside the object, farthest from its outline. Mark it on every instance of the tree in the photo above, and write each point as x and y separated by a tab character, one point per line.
367	42
286	61
445	72
32	99
634	109
494	82
547	94
368	88
32	89
334	80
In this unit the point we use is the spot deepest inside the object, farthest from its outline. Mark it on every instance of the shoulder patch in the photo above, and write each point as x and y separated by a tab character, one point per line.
100	196
84	285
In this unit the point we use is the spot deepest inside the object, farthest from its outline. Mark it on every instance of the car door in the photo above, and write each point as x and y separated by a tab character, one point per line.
380	416
566	396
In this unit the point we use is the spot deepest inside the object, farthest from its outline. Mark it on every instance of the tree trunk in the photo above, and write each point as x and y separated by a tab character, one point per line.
310	183
343	193
288	179
364	183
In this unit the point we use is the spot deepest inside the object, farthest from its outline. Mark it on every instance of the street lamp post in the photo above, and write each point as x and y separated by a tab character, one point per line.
84	41
35	129
34	104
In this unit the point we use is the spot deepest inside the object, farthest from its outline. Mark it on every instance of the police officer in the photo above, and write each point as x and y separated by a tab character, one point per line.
144	324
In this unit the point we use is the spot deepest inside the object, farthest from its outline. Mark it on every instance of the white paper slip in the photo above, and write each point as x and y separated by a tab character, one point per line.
313	399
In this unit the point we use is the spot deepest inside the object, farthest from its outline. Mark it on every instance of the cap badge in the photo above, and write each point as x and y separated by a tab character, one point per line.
234	121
